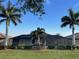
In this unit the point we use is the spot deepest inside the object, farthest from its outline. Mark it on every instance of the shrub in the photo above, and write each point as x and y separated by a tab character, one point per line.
14	47
10	47
61	47
77	47
73	47
21	47
27	47
1	47
51	47
68	47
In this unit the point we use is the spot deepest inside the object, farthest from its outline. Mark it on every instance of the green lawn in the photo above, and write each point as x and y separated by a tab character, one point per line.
32	54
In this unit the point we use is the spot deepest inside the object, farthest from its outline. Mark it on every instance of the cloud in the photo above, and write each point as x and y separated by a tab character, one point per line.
47	1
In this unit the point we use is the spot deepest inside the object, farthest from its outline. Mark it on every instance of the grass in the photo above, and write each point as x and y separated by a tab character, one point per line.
32	54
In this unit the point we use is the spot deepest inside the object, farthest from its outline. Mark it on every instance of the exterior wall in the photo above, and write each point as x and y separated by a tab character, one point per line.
59	42
10	42
64	42
21	42
77	42
2	42
50	41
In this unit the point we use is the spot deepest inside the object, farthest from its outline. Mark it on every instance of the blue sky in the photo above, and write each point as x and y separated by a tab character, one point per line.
51	21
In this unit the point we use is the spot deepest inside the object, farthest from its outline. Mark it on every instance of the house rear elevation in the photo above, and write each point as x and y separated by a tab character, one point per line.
55	41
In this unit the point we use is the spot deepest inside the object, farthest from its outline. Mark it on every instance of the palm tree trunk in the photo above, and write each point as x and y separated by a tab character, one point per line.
38	40
6	36
44	43
73	41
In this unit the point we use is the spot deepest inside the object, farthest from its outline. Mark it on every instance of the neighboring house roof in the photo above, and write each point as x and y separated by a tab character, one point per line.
1	36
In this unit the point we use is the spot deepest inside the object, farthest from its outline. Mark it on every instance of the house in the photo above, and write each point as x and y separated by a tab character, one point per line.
22	40
2	38
76	38
51	40
56	41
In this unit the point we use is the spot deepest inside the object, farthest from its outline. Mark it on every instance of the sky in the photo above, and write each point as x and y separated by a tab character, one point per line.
51	21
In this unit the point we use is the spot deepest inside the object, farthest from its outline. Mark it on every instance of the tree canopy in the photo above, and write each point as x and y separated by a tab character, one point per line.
35	7
71	20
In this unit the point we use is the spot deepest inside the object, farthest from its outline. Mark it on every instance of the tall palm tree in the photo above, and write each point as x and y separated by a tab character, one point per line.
71	20
37	34
9	14
40	32
33	36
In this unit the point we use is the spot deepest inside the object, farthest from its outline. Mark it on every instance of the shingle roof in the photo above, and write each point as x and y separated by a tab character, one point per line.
2	36
76	35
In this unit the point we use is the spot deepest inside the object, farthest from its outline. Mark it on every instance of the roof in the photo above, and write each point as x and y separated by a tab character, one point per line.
22	37
2	36
76	35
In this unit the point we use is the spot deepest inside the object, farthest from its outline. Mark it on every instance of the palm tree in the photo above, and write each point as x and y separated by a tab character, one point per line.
71	20
9	14
38	34
33	36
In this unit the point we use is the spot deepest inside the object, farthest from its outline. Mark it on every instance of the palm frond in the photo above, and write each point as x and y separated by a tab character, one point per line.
2	15
11	13
13	9
71	14
1	0
17	10
2	20
14	22
15	18
76	15
9	5
19	20
77	22
65	18
42	29
15	15
1	8
65	24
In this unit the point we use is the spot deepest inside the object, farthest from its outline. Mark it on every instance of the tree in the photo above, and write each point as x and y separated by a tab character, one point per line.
9	14
38	35
35	7
71	20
